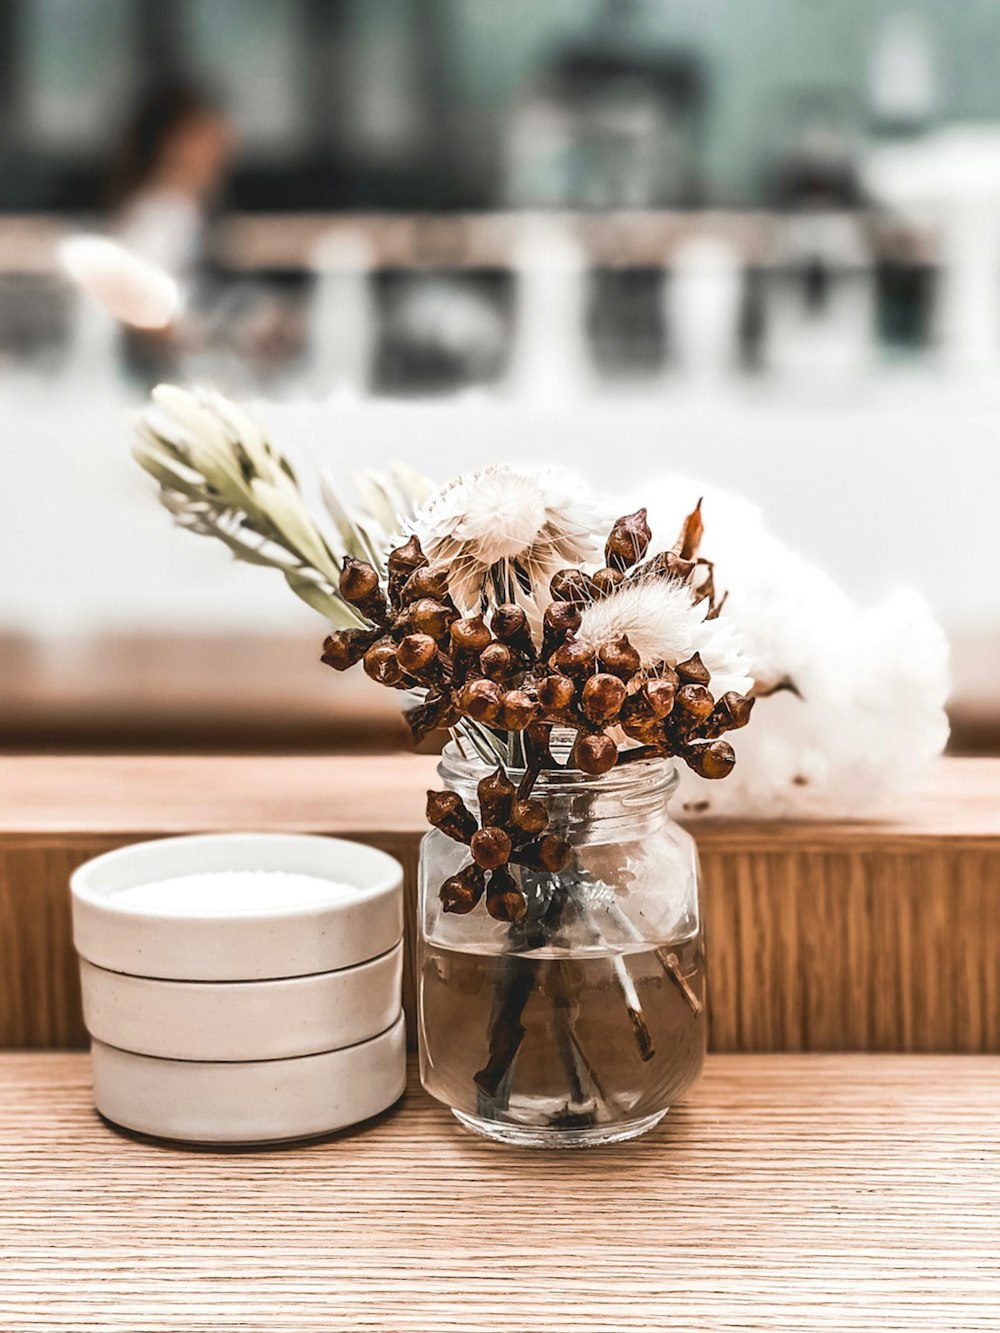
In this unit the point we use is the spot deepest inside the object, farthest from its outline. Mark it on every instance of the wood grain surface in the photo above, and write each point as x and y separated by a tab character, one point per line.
868	935
787	1193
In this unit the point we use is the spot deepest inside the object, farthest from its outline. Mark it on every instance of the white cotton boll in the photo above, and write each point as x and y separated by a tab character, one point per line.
132	290
873	681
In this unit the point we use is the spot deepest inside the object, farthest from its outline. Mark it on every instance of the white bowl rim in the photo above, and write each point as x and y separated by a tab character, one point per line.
195	982
399	1022
388	881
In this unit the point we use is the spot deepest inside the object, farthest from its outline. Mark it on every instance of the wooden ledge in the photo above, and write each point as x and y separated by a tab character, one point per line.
378	794
867	935
787	1193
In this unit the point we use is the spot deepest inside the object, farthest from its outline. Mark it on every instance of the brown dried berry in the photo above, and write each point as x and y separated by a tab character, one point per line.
401	564
382	664
730	713
556	693
550	853
496	796
560	619
510	626
574	659
436	711
447	811
638	720
602	697
628	541
694	701
344	648
425	582
407	558
491	848
517	711
668	564
463	891
572	585
470	634
660	694
529	817
428	616
606	580
509	622
594	753
496	661
694	671
358	580
619	657
416	652
504	900
481	700
714	760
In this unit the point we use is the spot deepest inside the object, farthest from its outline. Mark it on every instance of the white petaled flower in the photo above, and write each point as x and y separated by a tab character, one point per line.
664	625
506	530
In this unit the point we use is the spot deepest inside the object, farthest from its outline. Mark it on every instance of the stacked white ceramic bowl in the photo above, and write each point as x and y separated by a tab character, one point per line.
220	1019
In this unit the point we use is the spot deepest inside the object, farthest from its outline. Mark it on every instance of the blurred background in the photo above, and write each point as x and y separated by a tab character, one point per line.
754	241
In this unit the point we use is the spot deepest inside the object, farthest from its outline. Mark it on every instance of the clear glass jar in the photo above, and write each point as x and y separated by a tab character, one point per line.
583	1022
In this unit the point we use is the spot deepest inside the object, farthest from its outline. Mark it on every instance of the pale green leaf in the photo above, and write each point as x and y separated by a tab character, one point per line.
323	601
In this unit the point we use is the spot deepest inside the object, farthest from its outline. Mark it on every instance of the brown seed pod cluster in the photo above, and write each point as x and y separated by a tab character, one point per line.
493	672
512	833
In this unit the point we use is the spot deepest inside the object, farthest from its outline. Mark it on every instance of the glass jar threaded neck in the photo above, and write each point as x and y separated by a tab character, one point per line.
629	800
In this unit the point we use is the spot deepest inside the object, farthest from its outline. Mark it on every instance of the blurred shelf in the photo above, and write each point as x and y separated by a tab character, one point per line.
190	692
877	935
631	238
163	692
788	1192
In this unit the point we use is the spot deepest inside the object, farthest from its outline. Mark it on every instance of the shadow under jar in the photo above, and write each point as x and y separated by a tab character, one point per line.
583	1022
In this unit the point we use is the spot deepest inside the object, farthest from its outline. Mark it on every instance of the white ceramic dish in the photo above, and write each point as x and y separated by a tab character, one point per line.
263	1101
243	1020
243	945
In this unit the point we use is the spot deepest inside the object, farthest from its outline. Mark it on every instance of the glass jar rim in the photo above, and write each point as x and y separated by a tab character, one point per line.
654	773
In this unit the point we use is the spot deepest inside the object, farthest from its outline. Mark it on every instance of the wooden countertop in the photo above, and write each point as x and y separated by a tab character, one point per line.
788	1193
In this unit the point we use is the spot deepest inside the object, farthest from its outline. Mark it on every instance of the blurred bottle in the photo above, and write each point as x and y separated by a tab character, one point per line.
342	322
614	120
550	360
950	181
902	76
820	302
703	302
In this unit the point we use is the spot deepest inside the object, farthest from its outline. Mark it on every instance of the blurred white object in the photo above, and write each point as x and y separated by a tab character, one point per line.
902	76
867	710
342	318
132	290
702	306
550	361
951	180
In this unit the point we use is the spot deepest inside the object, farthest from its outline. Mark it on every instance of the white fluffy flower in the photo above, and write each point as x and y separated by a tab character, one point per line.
663	625
509	529
132	290
873	682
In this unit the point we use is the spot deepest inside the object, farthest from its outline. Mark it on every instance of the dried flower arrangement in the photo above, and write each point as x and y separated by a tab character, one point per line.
495	610
553	657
